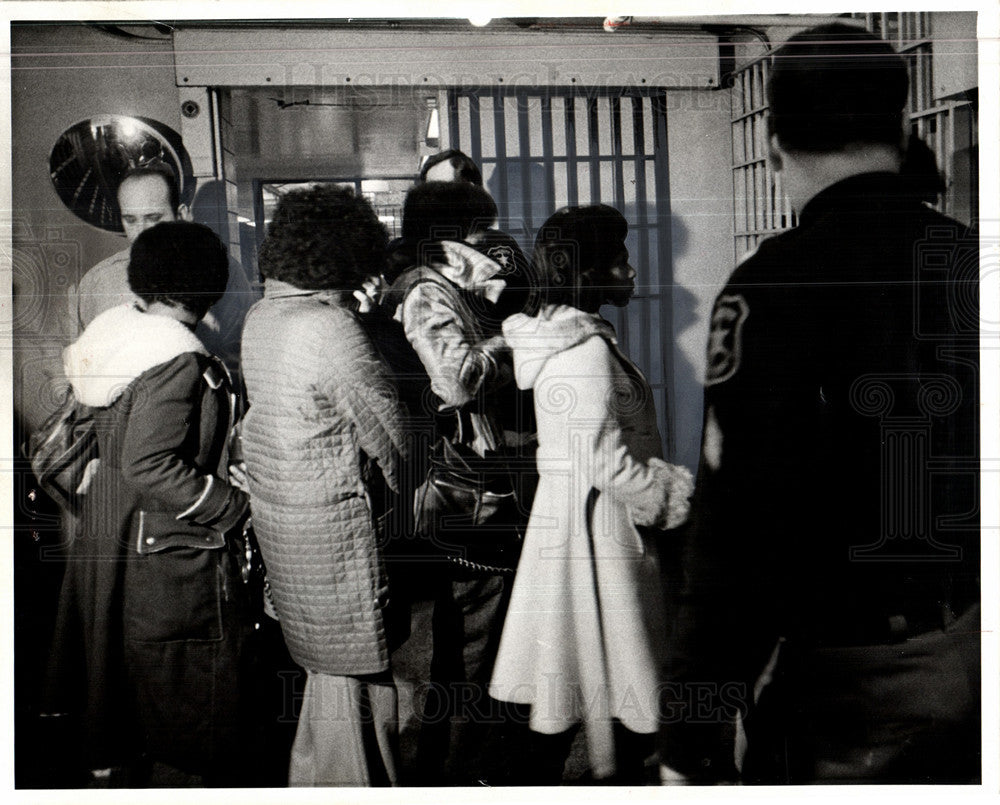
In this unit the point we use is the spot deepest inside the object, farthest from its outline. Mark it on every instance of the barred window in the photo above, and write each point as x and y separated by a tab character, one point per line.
760	207
947	125
544	148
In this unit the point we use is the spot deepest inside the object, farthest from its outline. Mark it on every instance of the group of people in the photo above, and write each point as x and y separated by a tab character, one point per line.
766	621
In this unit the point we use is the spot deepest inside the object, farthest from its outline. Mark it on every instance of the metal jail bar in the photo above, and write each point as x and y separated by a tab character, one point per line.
949	128
541	149
760	207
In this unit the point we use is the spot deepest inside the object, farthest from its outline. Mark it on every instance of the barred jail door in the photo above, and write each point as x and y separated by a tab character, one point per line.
947	125
541	149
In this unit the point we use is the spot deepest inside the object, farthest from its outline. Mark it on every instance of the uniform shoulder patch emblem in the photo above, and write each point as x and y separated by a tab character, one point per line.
725	346
502	256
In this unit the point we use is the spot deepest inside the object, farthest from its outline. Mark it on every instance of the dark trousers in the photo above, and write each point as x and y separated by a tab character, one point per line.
465	736
189	662
906	712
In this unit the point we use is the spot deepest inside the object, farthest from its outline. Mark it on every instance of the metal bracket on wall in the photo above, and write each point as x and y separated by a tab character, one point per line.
197	120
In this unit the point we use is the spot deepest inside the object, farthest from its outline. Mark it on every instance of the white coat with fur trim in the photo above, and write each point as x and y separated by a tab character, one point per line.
584	635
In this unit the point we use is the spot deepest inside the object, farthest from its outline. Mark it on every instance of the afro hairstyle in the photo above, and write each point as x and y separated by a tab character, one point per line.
179	263
572	245
323	238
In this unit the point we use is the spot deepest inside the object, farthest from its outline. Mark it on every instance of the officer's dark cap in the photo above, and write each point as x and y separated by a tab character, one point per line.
834	85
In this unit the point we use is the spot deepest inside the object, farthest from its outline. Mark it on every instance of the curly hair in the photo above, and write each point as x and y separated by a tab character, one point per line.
323	238
179	263
573	243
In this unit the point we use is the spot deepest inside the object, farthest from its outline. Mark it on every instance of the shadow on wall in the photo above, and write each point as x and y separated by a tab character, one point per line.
528	208
527	205
687	380
210	208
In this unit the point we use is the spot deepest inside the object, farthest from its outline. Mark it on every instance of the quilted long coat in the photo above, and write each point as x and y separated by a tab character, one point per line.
584	635
322	409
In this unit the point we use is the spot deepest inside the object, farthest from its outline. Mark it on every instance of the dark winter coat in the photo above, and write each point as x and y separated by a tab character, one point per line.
151	625
836	498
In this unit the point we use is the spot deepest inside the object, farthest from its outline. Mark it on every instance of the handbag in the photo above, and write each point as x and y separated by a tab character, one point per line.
246	555
468	506
63	453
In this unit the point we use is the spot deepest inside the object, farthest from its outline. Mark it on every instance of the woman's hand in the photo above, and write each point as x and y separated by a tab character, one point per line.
238	476
370	294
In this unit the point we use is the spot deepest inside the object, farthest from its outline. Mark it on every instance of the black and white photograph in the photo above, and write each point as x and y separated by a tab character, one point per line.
477	404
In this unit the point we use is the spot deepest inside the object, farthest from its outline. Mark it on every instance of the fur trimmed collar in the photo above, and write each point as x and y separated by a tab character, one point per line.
471	269
118	346
466	268
556	328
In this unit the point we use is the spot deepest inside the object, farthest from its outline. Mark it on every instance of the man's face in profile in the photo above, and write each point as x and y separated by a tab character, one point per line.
144	202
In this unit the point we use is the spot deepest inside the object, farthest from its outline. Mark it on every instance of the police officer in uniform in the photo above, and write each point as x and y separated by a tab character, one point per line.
827	612
515	269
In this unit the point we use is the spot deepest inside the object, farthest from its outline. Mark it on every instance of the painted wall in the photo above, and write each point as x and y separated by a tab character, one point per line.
61	75
66	73
701	206
955	53
81	71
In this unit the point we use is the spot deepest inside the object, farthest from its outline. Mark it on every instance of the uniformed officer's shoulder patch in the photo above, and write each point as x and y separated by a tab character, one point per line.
725	346
503	256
